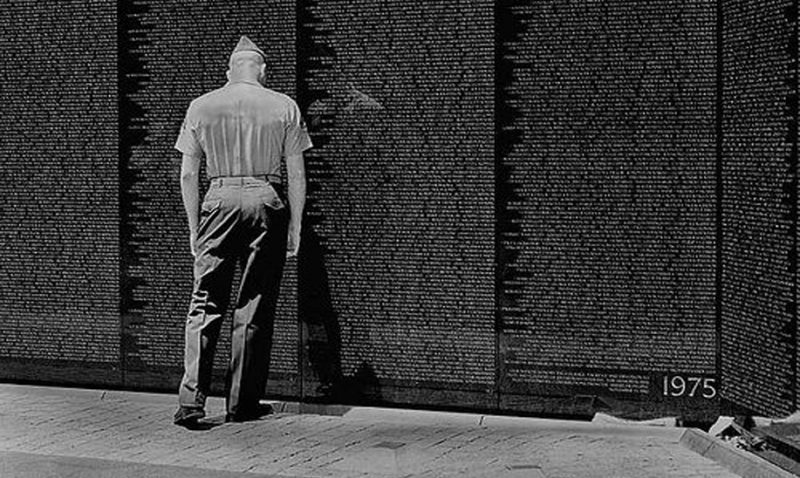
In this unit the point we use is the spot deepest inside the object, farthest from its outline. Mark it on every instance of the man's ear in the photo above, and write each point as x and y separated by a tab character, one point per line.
264	72
228	74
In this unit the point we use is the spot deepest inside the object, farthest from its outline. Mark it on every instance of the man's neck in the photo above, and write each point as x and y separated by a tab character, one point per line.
244	79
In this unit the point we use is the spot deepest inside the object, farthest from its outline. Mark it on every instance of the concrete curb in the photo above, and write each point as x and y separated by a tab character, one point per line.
736	460
444	418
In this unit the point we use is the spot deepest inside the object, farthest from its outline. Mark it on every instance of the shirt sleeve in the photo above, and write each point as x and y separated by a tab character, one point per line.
296	140
187	142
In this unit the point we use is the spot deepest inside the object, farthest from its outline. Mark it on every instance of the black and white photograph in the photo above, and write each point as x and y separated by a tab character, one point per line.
399	239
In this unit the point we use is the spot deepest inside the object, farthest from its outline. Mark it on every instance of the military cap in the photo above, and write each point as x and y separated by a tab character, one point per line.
245	44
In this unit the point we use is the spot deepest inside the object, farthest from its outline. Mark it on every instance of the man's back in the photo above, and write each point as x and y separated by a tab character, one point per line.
242	129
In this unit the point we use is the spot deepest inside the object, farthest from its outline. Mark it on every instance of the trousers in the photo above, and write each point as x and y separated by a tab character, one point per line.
242	220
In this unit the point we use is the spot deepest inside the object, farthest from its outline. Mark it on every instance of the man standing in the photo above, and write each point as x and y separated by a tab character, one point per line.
242	130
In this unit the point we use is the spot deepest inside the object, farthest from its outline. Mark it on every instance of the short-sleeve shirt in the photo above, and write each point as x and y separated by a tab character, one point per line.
243	129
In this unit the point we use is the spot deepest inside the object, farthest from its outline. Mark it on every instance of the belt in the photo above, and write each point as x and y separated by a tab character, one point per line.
240	180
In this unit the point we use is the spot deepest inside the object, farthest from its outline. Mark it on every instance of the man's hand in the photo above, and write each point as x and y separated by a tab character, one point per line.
293	242
193	243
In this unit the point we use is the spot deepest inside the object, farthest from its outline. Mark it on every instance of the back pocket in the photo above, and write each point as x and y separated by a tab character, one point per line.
210	205
271	199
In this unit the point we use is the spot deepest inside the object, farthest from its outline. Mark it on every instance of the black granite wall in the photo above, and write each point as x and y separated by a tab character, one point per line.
544	207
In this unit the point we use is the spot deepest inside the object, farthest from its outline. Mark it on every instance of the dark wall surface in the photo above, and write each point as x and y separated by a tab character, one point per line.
59	190
402	192
543	207
759	167
608	229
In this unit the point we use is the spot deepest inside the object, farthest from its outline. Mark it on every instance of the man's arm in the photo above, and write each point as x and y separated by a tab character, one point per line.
190	190
296	172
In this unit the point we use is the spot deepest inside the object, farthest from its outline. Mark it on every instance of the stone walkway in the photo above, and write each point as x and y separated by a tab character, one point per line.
61	432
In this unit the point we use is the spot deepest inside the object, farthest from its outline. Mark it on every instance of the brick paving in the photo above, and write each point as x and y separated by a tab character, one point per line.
136	428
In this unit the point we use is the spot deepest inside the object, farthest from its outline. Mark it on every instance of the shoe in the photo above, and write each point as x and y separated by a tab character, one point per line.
247	415
188	416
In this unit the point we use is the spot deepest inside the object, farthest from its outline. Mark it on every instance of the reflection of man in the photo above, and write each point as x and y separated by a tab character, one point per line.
353	101
242	130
